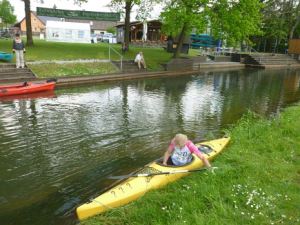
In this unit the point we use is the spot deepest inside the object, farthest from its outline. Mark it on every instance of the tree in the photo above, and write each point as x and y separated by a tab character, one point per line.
281	21
28	18
231	20
119	5
181	16
28	23
236	21
126	6
7	13
285	14
145	10
295	18
296	25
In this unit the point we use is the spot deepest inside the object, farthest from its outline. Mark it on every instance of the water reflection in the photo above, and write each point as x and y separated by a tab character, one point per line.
37	95
58	152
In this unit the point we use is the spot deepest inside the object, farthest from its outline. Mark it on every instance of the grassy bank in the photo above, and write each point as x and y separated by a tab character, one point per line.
257	182
70	69
43	50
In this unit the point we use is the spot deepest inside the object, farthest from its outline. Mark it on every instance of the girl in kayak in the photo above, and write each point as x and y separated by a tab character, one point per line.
180	152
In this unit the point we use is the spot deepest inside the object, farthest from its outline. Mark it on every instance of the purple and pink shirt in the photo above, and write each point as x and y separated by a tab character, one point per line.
183	155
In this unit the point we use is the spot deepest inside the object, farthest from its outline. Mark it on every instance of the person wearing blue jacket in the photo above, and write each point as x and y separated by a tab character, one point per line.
19	49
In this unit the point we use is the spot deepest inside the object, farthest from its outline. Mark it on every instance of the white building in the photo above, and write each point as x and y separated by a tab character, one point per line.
68	32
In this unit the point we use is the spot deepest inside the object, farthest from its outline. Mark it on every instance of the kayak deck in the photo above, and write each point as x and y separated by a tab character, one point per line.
135	187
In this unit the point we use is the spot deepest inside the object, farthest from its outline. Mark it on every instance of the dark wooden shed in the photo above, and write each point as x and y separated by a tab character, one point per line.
154	33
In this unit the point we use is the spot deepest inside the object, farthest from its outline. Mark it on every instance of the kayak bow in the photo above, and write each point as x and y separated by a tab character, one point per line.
25	88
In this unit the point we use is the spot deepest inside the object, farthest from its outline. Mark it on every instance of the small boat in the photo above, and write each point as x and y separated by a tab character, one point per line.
31	96
136	186
4	56
26	88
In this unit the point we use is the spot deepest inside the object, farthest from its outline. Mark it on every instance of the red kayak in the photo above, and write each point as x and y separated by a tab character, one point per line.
26	88
36	95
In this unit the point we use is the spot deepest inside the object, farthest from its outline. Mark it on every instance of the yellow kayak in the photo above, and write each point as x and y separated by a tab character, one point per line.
135	187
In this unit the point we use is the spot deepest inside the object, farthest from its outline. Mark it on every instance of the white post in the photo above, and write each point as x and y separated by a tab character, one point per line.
121	63
145	30
109	52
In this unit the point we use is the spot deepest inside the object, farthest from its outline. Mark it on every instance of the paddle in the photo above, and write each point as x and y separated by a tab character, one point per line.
160	173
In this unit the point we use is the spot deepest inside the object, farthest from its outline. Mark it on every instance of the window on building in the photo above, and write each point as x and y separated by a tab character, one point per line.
80	34
69	34
55	33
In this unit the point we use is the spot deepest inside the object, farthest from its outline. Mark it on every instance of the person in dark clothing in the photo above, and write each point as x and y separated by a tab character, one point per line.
19	49
124	48
170	42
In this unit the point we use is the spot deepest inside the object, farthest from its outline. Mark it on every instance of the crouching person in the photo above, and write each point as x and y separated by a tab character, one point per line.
139	59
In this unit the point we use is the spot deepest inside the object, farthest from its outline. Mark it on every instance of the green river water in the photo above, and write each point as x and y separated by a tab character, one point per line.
58	149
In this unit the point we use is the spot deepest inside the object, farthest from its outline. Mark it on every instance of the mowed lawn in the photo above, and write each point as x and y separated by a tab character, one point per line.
50	51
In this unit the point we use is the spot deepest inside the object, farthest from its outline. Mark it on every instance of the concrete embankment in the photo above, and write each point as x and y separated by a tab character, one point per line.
70	81
81	80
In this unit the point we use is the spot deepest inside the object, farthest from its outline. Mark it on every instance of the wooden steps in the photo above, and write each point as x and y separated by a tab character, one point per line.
9	72
271	60
128	66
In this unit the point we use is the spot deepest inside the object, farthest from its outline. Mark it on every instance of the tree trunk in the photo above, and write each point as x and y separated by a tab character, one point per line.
28	23
259	44
278	45
180	41
294	27
128	6
275	46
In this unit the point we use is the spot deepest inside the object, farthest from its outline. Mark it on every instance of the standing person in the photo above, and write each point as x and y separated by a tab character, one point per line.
19	49
139	59
170	42
180	152
124	48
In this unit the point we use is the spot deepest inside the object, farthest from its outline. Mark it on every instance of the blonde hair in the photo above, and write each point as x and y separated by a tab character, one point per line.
180	140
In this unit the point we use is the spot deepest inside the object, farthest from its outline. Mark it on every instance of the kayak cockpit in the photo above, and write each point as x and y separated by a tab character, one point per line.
205	149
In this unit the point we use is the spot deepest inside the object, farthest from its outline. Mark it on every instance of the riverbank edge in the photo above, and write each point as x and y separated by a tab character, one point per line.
257	185
82	80
68	81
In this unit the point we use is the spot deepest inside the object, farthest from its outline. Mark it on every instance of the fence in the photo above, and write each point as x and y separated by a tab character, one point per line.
294	46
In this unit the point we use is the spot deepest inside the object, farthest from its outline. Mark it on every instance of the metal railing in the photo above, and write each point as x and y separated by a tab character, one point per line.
251	50
110	49
268	60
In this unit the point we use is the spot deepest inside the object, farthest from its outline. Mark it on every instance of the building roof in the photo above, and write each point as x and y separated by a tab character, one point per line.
34	14
134	23
44	19
95	24
68	25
